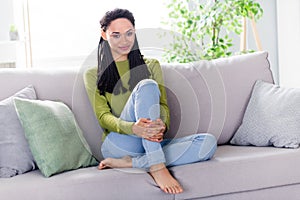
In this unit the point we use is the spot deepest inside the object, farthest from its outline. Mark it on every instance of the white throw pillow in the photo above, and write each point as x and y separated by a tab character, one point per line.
272	117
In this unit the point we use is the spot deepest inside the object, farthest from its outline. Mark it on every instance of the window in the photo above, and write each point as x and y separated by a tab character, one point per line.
64	33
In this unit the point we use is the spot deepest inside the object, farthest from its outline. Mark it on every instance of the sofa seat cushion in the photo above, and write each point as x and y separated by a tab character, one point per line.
85	183
238	169
233	169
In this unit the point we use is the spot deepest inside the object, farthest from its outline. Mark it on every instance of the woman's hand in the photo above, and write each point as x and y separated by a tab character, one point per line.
150	130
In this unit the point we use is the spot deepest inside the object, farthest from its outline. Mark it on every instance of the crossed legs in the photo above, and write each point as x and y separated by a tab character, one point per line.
127	151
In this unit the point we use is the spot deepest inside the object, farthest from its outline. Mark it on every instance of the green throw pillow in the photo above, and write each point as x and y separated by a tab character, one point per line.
54	137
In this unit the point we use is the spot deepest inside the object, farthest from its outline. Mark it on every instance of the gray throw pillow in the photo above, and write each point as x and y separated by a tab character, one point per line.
272	117
15	155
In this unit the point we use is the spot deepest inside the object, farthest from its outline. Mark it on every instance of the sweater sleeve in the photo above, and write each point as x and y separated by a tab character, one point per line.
157	75
101	107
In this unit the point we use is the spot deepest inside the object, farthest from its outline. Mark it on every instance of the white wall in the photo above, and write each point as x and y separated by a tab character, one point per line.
267	29
6	14
288	42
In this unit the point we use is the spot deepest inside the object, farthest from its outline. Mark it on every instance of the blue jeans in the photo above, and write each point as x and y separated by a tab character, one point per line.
144	103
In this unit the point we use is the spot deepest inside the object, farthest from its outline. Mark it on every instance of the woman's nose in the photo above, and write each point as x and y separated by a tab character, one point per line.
124	38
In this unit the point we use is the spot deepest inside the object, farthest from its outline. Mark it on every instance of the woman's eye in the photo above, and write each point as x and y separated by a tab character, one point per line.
116	36
129	34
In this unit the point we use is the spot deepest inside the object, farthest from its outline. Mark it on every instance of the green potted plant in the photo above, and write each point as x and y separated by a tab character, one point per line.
204	29
13	33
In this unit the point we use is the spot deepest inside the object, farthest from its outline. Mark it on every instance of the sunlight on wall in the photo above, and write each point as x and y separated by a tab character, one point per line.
70	29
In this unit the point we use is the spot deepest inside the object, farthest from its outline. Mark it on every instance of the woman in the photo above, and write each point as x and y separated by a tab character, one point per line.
131	105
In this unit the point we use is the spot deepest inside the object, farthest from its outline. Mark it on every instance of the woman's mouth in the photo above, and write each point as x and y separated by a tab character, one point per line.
124	48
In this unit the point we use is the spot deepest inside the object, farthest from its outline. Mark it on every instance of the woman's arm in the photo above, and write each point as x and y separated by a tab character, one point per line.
157	75
101	108
112	123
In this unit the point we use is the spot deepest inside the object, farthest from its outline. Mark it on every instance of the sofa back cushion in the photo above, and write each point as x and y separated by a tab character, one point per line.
205	96
57	84
211	96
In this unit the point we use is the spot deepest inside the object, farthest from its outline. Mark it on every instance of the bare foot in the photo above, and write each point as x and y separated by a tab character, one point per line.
164	179
124	162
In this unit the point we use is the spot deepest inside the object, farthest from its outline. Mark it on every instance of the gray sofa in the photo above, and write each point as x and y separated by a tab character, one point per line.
205	96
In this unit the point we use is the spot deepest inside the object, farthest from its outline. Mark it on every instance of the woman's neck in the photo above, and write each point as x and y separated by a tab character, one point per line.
120	58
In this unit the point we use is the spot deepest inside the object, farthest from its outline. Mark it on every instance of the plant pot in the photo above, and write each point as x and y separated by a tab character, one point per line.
13	35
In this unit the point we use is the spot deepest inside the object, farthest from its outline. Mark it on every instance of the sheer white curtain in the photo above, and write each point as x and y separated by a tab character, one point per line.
289	42
65	32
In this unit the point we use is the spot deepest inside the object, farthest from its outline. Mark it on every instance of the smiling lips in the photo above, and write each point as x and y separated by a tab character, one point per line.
125	48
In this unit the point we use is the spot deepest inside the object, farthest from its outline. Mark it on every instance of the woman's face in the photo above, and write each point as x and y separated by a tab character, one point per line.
120	35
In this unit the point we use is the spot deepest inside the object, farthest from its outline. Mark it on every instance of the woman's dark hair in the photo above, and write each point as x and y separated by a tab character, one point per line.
108	76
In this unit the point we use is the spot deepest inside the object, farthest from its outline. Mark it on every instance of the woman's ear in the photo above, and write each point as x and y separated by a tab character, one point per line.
103	34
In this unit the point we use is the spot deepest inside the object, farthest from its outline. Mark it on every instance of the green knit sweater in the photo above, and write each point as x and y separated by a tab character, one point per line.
108	107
